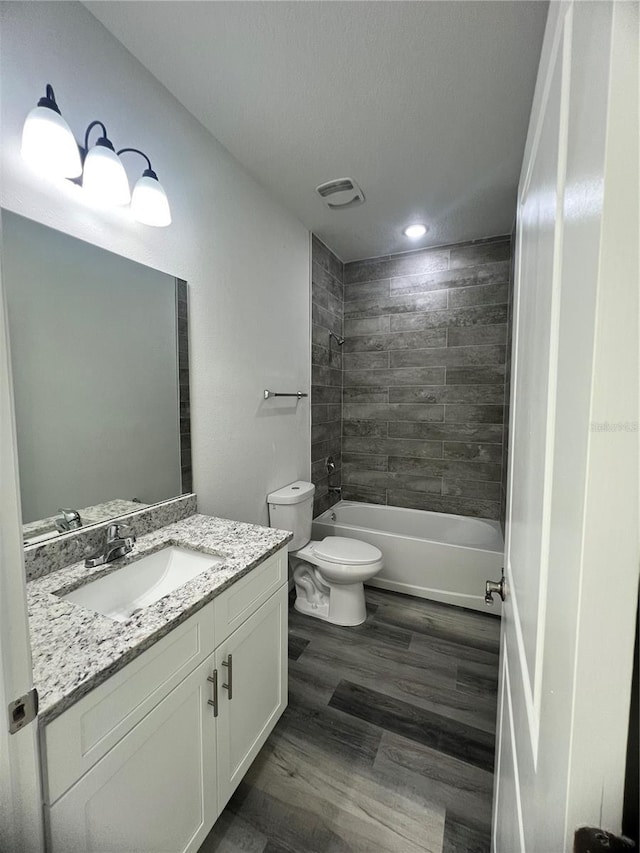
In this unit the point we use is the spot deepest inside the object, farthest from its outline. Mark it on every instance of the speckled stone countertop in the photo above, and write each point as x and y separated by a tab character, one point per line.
75	649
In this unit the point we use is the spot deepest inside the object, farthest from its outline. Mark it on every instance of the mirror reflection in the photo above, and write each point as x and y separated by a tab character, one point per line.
100	372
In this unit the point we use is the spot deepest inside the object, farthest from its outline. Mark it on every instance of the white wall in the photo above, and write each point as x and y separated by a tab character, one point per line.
246	259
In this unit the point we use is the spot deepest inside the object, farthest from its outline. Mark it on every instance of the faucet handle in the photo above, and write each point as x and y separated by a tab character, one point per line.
120	531
69	519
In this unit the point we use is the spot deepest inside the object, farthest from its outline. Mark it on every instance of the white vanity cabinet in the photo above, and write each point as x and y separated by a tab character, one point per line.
252	662
147	760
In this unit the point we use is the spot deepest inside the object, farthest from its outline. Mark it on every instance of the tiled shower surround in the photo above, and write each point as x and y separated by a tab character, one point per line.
326	372
424	378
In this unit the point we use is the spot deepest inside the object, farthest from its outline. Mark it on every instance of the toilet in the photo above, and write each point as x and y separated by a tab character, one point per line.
328	574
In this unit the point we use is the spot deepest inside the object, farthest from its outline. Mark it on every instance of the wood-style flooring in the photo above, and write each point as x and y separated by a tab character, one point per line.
388	741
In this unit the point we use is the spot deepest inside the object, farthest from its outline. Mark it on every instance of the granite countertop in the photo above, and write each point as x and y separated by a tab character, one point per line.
75	649
89	515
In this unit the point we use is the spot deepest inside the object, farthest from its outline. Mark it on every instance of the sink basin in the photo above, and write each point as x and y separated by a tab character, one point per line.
141	583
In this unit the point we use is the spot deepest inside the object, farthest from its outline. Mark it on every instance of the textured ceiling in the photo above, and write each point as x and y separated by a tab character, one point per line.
425	104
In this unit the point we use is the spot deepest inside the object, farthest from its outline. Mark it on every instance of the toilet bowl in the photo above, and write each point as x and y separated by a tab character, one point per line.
328	574
329	577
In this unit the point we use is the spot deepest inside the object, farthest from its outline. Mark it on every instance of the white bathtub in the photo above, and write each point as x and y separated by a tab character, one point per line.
432	555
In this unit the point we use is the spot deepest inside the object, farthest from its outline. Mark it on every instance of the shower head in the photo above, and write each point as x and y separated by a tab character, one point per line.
339	340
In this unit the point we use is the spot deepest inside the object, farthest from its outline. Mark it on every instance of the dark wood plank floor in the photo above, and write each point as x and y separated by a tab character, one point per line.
388	741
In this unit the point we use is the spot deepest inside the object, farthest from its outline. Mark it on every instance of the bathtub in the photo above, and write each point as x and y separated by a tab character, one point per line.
432	555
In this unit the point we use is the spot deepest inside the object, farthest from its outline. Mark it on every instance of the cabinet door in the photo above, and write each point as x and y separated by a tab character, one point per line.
253	660
155	791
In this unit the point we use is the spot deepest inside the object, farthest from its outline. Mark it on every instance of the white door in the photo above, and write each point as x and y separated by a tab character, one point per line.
252	689
571	551
20	801
155	791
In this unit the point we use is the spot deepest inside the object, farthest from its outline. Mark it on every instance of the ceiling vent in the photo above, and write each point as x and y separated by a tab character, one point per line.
341	194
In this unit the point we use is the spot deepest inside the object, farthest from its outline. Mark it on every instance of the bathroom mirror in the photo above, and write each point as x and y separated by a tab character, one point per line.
99	353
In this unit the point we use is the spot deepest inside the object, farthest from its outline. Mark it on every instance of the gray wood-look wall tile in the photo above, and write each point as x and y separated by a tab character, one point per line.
472	450
421	375
367	290
491	273
447	357
471	489
465	336
481	253
475	375
377	429
390	480
326	394
394	412
327	299
461	413
484	295
462	468
374	306
464	316
365	394
490	433
364	462
323	317
367	326
397	341
368	496
406	263
447	394
397	376
434	503
325	258
391	446
365	360
326	431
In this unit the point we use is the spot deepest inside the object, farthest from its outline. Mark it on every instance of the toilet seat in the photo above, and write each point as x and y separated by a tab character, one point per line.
347	552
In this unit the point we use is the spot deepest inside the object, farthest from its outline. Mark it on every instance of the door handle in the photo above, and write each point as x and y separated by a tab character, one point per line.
229	685
214	680
492	587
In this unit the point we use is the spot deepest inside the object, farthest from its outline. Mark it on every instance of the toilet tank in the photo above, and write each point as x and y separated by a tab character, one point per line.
291	508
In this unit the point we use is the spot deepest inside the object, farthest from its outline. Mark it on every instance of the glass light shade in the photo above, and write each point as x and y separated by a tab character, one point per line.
48	144
104	176
149	203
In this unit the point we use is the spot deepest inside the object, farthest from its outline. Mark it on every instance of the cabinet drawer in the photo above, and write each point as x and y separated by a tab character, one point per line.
83	734
236	604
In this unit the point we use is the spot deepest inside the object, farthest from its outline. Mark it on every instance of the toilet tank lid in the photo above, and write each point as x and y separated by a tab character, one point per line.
294	493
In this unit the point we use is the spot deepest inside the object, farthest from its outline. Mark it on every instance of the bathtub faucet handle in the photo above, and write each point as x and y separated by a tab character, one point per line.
492	587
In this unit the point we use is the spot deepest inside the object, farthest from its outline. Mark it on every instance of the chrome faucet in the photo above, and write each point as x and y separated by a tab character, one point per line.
69	520
335	490
119	542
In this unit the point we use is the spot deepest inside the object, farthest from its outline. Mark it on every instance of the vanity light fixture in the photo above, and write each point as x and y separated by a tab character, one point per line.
49	145
103	174
414	232
149	203
47	141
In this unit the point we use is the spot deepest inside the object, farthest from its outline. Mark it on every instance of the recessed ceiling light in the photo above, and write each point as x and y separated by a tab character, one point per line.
414	232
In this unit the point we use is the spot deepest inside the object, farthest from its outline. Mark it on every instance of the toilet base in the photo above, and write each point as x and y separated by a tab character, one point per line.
346	605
